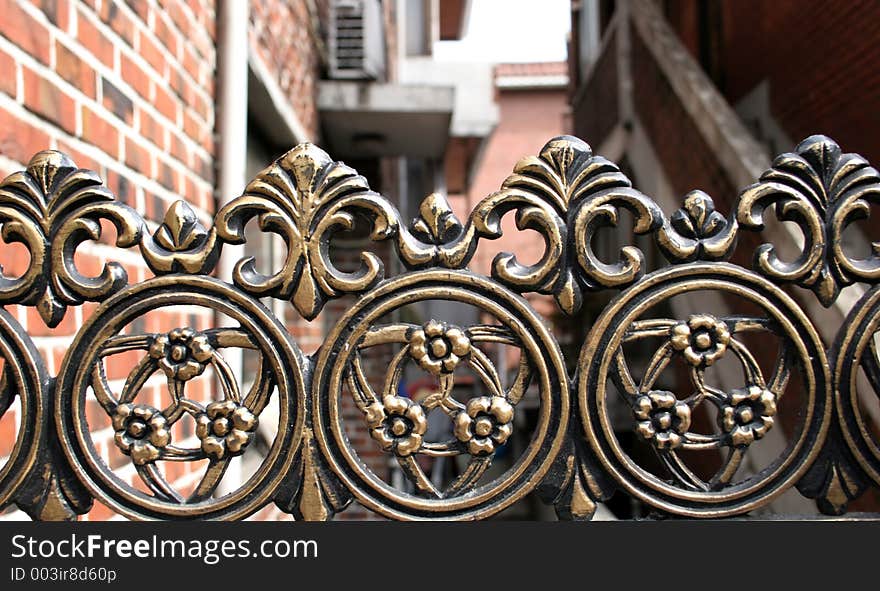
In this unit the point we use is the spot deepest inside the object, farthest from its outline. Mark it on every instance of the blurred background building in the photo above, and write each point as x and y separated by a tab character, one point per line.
703	94
189	99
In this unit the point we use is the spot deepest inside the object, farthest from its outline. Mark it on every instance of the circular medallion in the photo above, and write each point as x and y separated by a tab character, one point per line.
741	420
479	420
178	412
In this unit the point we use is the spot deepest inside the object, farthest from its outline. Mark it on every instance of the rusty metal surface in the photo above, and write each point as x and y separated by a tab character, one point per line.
573	455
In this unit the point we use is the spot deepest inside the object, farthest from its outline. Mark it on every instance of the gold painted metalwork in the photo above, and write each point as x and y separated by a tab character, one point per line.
572	458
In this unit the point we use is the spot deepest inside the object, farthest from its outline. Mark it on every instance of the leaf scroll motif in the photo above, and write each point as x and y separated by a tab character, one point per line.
51	208
567	194
303	197
822	191
181	243
697	231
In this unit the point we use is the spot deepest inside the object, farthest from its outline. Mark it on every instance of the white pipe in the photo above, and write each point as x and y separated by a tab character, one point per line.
231	104
232	107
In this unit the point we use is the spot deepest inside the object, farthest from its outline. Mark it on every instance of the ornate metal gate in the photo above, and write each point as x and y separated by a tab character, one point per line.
573	457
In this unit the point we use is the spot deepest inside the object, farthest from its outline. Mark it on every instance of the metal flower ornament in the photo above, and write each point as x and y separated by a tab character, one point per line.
224	428
398	424
664	420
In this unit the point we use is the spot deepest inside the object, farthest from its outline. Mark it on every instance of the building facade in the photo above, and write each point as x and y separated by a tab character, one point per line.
700	95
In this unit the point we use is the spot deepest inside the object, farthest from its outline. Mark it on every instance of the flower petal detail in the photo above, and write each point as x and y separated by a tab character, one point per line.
481	446
408	445
214	447
143	453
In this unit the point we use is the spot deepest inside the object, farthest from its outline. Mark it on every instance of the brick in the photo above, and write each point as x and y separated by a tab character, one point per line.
180	86
95	41
174	9
118	20
20	140
116	101
45	99
119	366
138	483
209	84
8	77
178	148
74	70
166	176
100	512
201	106
192	126
98	131
151	129
174	471
150	51
140	8
191	62
205	169
211	27
165	103
135	76
96	416
208	142
37	328
121	187
88	264
14	259
137	157
204	45
57	11
8	433
25	31
88	309
166	34
115	458
190	192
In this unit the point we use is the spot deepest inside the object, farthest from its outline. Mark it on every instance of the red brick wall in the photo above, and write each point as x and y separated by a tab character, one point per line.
286	38
687	161
126	89
819	57
595	105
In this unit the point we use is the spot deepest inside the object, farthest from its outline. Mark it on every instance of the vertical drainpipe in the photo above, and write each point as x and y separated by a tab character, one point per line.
231	106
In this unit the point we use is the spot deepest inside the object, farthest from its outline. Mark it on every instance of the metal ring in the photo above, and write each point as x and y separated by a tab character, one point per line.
24	378
535	340
854	348
283	359
604	342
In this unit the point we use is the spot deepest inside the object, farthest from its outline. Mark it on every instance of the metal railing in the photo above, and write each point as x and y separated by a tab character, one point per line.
574	457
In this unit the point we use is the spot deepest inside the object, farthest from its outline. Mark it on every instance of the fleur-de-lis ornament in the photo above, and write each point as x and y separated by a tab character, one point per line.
302	196
181	243
823	191
567	194
50	208
697	231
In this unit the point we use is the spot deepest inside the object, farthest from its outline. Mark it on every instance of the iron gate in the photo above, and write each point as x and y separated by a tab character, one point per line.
573	458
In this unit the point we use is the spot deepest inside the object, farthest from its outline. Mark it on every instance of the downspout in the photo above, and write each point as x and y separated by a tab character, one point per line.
231	106
232	109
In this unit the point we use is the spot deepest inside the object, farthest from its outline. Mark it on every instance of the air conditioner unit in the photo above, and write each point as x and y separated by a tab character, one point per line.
356	40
